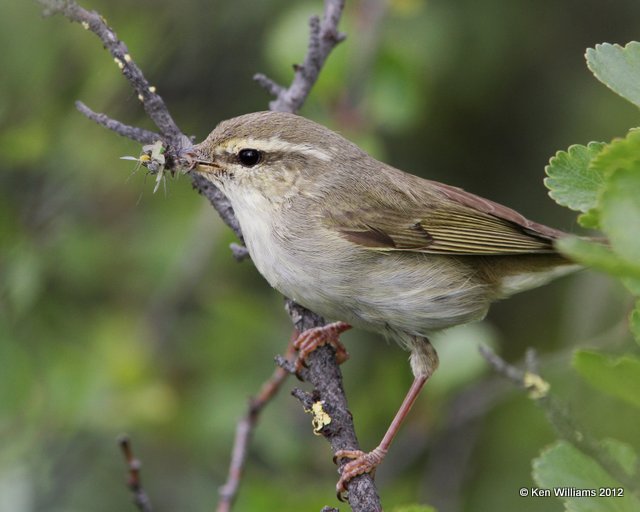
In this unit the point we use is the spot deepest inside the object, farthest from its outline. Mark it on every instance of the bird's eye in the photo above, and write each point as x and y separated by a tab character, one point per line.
249	157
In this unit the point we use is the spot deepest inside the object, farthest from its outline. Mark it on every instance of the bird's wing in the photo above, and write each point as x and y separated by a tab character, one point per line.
446	221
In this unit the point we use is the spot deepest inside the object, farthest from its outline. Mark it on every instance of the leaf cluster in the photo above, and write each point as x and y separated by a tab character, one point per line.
602	182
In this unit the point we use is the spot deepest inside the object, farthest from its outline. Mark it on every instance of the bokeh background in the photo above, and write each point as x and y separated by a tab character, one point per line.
123	311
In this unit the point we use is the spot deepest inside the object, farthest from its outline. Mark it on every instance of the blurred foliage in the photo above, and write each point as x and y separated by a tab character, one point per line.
121	310
565	470
603	182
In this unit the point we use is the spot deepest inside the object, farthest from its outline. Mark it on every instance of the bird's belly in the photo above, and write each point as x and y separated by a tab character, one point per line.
418	294
411	293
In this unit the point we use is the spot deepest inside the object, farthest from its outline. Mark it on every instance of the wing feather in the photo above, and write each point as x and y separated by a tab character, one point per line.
446	220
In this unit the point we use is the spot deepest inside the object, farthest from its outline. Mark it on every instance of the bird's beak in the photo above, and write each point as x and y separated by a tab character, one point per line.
196	163
204	167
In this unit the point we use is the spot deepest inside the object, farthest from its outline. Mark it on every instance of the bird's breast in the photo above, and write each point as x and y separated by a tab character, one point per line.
313	265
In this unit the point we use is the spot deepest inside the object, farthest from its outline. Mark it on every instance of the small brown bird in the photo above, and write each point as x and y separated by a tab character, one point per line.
358	241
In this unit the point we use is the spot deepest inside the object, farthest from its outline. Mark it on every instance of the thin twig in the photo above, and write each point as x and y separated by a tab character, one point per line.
244	433
130	132
323	38
557	412
240	252
514	374
272	87
153	103
134	482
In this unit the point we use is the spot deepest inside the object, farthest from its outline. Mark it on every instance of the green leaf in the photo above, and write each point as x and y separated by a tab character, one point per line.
632	284
622	453
598	256
618	68
619	377
590	220
634	322
620	212
562	467
619	154
571	181
619	202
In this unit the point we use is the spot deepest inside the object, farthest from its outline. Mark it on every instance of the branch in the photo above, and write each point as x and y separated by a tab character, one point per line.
130	132
152	102
557	412
140	497
244	433
323	38
323	371
324	374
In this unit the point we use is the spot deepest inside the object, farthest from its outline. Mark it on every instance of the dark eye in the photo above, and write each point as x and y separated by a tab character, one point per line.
249	157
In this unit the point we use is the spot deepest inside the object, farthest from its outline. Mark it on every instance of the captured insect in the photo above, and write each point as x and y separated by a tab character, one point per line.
154	160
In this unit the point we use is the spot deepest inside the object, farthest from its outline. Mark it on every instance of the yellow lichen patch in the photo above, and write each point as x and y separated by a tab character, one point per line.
127	57
320	418
152	89
119	63
537	386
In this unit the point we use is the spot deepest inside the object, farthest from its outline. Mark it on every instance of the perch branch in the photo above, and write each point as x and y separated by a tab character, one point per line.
323	372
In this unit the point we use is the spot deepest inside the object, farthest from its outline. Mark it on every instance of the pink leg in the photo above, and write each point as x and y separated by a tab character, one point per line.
424	361
367	462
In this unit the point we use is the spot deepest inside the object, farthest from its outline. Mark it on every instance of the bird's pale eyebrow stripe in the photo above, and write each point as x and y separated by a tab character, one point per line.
270	146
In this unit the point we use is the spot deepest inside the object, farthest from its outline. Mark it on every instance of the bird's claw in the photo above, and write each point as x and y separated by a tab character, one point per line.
311	339
362	463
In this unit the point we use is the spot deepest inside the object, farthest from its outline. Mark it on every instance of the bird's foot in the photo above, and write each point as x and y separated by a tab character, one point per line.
362	463
311	339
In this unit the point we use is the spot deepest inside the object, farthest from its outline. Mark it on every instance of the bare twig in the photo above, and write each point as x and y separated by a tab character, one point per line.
557	412
130	132
323	38
134	483
244	433
514	374
240	252
153	103
273	88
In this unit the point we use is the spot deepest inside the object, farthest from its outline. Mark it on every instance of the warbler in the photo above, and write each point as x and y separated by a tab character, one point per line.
370	246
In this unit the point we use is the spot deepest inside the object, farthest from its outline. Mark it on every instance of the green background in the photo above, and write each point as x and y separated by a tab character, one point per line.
123	311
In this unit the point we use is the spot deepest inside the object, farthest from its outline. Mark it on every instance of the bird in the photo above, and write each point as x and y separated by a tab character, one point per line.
368	245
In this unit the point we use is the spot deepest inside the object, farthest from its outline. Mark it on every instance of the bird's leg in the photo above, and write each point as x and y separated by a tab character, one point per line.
309	340
424	361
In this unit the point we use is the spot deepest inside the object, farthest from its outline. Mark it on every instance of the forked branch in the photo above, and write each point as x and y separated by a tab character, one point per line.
323	38
152	102
324	372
